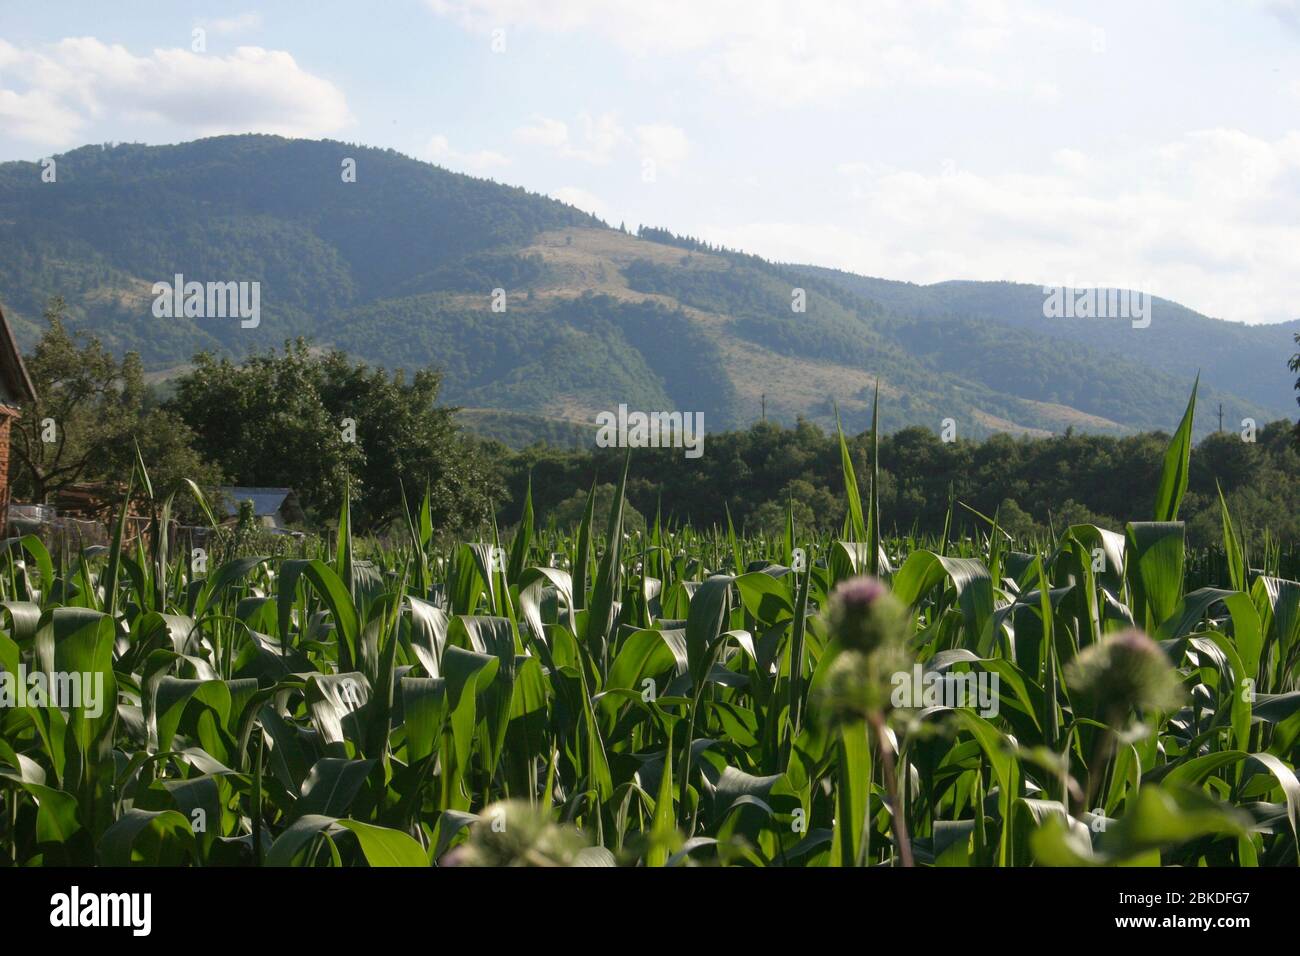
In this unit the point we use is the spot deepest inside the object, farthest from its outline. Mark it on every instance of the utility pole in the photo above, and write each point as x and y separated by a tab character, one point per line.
1220	416
765	407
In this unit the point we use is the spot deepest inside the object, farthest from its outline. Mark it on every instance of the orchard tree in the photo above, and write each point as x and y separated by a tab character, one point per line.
1294	365
265	424
317	422
90	412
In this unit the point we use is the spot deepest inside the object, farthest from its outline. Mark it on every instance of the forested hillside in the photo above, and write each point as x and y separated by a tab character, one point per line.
401	268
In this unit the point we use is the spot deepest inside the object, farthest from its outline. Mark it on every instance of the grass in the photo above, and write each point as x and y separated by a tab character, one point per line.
675	697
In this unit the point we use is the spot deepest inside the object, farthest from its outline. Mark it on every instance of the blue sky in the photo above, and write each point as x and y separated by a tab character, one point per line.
1152	145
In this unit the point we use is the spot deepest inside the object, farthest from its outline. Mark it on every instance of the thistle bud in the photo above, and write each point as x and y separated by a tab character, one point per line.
1124	672
512	833
865	616
870	625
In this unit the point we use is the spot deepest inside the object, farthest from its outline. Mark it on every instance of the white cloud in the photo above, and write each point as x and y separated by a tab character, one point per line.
666	145
544	131
600	138
597	140
791	52
79	81
38	116
584	200
1044	92
439	150
1072	161
857	167
1211	220
1287	12
237	24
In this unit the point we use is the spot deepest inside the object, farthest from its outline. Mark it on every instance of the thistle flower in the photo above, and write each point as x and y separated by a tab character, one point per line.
1124	672
513	833
871	627
865	616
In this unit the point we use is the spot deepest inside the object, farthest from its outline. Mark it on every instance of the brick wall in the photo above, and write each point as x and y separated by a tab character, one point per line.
7	416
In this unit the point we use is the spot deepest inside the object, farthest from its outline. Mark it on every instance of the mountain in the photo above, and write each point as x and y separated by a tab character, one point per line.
399	268
1238	358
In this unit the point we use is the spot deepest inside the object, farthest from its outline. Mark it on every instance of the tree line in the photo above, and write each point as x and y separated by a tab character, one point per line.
316	421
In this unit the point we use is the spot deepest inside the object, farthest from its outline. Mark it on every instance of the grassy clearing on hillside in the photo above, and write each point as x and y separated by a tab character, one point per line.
666	697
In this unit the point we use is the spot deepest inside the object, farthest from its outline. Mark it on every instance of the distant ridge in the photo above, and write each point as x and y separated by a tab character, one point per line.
399	269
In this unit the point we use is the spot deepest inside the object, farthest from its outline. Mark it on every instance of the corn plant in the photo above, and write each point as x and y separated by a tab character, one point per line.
672	697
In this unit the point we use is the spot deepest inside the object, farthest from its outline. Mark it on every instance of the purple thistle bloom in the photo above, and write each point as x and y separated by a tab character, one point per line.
1122	672
865	615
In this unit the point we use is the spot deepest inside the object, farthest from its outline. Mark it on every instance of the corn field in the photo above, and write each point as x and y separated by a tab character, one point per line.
678	697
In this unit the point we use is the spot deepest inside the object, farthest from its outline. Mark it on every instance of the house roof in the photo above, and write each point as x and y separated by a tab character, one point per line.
16	382
266	501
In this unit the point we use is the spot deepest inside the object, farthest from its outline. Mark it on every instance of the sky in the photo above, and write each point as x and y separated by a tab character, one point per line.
1151	145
